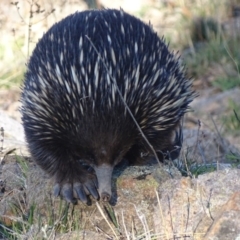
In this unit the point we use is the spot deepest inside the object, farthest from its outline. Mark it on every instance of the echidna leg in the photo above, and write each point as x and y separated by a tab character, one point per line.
75	184
135	156
172	144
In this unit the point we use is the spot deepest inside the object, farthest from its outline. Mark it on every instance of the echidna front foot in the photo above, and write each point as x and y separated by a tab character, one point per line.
135	156
76	186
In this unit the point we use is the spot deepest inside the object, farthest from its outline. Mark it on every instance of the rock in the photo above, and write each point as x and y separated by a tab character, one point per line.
226	225
189	207
12	128
210	109
13	135
207	148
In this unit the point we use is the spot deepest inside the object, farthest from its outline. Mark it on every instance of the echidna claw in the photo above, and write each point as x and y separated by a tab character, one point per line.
75	187
67	193
80	193
91	189
56	190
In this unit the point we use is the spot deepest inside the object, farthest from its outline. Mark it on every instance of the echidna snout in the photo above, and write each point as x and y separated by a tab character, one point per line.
104	177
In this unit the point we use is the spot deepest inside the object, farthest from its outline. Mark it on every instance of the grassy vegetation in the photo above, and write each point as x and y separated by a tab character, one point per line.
17	43
231	121
220	54
195	28
31	222
12	72
26	219
234	159
191	168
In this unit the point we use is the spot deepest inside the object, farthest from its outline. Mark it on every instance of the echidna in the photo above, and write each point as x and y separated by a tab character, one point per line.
88	78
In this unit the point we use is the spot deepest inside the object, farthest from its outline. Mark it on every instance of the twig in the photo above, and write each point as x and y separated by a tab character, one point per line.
125	104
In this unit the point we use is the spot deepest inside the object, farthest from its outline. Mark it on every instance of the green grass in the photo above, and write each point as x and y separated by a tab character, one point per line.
62	219
204	29
221	52
12	70
190	168
23	216
226	83
111	214
234	158
232	121
21	222
12	77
